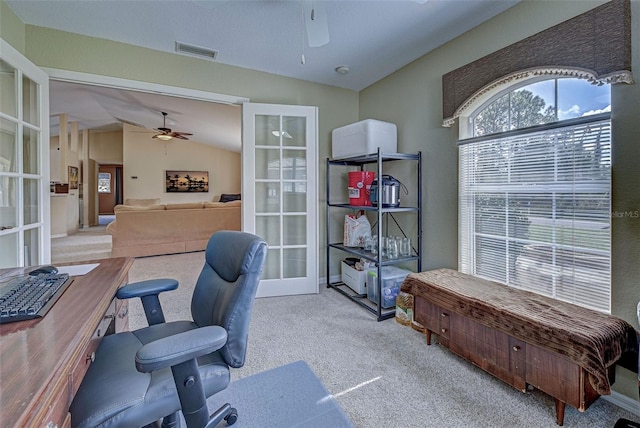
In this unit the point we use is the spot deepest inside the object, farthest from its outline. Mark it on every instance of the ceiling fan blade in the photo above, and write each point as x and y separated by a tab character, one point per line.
315	20
180	137
180	133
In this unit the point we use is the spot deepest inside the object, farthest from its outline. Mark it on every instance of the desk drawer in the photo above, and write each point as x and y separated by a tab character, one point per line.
106	326
122	316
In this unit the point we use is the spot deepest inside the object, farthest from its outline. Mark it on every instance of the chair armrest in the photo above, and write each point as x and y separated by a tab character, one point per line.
181	347
146	288
148	291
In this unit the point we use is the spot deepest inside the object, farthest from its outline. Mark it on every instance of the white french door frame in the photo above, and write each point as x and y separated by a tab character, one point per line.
131	85
286	280
27	69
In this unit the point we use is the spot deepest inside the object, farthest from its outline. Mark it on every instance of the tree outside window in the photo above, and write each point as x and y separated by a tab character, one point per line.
104	182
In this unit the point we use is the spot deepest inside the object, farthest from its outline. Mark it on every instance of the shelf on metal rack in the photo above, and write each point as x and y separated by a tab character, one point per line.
360	252
373	158
372	208
362	300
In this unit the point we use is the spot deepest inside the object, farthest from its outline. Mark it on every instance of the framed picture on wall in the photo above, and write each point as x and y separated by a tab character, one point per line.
186	181
73	177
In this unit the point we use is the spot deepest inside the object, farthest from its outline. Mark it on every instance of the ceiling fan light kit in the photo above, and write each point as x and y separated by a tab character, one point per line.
167	134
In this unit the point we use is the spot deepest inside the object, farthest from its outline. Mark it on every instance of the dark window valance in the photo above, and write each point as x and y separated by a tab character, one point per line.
595	45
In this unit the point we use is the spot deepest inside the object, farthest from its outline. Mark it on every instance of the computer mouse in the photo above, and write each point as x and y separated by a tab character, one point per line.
44	269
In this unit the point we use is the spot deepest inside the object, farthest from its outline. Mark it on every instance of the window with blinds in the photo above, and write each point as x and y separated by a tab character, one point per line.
535	209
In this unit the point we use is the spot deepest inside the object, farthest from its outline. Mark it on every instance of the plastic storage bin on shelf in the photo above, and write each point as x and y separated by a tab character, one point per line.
355	279
392	278
364	138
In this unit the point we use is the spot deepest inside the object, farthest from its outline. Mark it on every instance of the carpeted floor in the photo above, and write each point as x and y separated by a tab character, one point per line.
382	374
88	244
286	396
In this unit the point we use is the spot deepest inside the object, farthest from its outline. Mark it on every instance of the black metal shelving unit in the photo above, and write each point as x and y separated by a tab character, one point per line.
384	216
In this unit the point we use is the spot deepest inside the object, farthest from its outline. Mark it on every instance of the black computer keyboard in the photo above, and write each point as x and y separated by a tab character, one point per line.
29	297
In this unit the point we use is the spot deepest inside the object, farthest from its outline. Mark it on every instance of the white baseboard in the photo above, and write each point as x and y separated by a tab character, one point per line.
334	278
623	402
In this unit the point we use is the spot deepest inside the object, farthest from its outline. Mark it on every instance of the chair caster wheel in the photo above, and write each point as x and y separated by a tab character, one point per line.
232	417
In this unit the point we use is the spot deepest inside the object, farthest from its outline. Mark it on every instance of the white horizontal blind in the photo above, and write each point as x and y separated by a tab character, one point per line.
535	211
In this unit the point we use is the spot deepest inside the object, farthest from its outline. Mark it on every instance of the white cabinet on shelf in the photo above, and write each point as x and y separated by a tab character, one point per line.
383	219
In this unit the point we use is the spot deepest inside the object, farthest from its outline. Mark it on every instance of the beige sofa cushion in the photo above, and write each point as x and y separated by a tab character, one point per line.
118	208
184	205
142	202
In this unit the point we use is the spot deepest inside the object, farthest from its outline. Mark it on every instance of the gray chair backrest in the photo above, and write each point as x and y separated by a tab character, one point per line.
226	288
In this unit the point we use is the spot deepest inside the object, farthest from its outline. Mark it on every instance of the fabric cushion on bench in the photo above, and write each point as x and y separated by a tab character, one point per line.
591	339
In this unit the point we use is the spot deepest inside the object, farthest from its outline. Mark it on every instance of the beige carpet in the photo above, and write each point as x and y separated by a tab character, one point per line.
382	373
88	244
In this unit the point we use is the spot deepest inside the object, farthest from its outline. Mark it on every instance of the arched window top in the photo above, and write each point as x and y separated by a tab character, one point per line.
516	81
595	46
534	102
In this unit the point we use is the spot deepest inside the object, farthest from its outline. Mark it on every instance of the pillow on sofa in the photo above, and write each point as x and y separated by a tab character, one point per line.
142	202
228	197
209	204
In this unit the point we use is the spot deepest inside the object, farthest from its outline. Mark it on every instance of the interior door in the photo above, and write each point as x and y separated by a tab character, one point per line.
109	188
25	233
280	194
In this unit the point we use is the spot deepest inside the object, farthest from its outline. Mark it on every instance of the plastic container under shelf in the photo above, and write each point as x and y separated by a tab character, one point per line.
392	278
355	279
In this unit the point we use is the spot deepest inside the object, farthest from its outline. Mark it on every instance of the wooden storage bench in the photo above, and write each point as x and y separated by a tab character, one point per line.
522	338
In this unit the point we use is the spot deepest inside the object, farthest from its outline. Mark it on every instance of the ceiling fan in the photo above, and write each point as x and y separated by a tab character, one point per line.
166	134
315	20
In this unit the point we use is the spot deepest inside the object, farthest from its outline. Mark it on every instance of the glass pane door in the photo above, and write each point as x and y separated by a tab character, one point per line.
24	161
279	186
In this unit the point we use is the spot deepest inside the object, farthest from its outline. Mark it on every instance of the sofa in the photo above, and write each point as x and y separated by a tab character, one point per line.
145	228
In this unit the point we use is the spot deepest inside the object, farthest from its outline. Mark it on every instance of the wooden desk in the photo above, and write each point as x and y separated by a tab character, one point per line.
43	361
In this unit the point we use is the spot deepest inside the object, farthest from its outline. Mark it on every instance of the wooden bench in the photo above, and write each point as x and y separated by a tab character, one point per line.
522	338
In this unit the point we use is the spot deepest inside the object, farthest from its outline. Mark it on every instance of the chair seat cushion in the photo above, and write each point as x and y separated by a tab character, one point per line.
114	394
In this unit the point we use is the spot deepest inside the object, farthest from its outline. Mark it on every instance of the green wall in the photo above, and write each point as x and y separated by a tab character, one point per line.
12	30
412	98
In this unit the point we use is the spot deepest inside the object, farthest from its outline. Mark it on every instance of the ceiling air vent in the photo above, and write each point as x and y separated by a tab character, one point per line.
198	51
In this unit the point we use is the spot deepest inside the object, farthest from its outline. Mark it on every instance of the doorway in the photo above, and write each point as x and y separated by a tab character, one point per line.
126	101
109	188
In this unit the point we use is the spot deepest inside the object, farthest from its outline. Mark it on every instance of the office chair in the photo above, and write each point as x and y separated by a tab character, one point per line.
141	377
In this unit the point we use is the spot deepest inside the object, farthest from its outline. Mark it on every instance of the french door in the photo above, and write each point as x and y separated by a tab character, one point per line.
280	194
25	237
